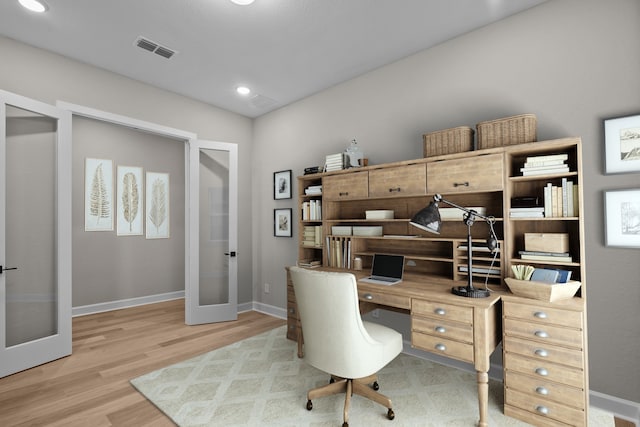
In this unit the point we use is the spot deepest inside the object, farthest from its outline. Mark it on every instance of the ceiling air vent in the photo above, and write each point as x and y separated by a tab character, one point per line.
154	47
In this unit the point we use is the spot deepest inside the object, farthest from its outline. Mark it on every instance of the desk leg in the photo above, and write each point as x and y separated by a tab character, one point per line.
483	397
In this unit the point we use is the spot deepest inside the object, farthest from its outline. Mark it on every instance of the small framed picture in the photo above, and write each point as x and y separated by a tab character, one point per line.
282	222
282	185
622	218
622	144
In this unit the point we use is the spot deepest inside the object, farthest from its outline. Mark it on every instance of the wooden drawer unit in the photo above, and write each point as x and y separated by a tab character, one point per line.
381	298
401	181
354	185
474	174
545	364
442	328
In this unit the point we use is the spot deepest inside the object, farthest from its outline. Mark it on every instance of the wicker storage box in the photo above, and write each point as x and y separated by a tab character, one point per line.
550	292
448	141
507	131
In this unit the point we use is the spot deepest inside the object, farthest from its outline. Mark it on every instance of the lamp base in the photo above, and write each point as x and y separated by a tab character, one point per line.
466	291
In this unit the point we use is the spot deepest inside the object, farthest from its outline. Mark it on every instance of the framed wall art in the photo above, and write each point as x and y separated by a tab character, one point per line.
129	201
157	205
282	222
622	144
98	195
282	185
622	218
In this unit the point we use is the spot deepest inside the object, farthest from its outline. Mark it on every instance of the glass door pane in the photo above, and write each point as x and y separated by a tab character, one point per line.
30	227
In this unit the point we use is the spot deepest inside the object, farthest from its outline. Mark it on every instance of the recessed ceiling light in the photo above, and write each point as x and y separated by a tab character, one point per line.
242	2
34	5
243	90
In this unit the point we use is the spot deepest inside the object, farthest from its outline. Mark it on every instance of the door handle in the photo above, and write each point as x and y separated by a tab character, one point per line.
231	254
2	269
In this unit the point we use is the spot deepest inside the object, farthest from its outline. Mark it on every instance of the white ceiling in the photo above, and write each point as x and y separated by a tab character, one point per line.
284	50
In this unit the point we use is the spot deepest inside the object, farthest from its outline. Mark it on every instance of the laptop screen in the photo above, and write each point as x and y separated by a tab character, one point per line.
387	266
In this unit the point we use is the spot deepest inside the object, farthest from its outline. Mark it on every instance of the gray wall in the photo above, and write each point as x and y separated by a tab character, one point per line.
571	62
48	77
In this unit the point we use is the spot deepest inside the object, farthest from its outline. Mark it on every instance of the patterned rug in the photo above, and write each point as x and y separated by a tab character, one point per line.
261	382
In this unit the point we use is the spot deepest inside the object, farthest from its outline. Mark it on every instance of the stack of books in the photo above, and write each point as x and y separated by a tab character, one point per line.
532	212
561	200
336	162
546	256
312	235
309	263
312	210
543	165
313	190
547	275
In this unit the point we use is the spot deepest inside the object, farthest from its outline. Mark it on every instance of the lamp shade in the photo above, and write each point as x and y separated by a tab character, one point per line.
428	219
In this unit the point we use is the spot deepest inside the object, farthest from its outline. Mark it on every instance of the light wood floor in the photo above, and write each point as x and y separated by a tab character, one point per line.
91	387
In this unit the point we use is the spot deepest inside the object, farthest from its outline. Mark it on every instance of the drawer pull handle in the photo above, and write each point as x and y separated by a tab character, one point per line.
440	329
440	311
540	314
542	372
398	189
441	347
368	297
542	410
543	391
541	334
344	193
541	352
461	184
292	310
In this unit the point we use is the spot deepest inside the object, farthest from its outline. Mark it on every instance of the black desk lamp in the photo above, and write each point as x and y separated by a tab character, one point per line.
428	219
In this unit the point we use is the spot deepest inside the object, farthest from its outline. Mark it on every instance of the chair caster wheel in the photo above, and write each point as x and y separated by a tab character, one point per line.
390	414
375	386
309	405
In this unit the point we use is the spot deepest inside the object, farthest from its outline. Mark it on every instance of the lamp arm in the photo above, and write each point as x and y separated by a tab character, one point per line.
489	219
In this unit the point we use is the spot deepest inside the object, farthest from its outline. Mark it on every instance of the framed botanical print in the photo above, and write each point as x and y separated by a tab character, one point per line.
98	195
282	185
622	144
282	222
622	218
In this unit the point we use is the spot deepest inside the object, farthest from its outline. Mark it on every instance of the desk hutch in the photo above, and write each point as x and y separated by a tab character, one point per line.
544	344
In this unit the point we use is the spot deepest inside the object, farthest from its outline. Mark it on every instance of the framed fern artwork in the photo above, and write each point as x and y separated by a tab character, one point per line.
157	205
98	195
130	201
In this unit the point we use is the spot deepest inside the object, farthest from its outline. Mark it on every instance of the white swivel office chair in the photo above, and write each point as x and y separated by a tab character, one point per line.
337	341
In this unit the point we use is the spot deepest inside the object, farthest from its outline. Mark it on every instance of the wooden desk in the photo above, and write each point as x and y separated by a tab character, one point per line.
466	329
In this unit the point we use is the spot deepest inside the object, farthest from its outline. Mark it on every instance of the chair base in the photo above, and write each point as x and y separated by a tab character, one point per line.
349	387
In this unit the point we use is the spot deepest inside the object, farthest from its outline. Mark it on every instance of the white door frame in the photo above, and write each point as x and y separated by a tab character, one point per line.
195	312
37	352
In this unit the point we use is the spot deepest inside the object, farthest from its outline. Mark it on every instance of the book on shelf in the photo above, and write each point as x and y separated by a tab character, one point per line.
312	235
338	252
309	263
312	210
547	158
551	254
334	162
551	275
313	190
493	271
532	212
549	258
562	200
538	171
478	247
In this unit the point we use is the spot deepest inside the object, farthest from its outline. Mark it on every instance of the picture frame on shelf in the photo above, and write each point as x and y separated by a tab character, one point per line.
282	185
622	218
282	222
622	144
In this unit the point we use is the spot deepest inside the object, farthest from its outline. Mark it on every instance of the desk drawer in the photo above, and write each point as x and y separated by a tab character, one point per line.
385	299
548	315
354	185
410	180
443	346
474	174
545	409
441	328
543	390
543	333
442	311
545	370
543	352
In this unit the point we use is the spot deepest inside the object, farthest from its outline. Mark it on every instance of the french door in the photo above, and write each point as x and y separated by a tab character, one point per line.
35	233
212	272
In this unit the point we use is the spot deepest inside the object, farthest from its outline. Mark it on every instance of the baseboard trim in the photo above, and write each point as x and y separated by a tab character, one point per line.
271	310
84	310
621	408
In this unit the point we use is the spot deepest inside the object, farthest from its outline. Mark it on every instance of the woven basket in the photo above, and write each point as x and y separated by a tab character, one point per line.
448	141
507	131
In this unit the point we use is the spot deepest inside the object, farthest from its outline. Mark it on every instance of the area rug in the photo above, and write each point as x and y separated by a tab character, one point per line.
260	381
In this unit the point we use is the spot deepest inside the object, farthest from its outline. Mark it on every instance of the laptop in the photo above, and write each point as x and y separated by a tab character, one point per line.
386	270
